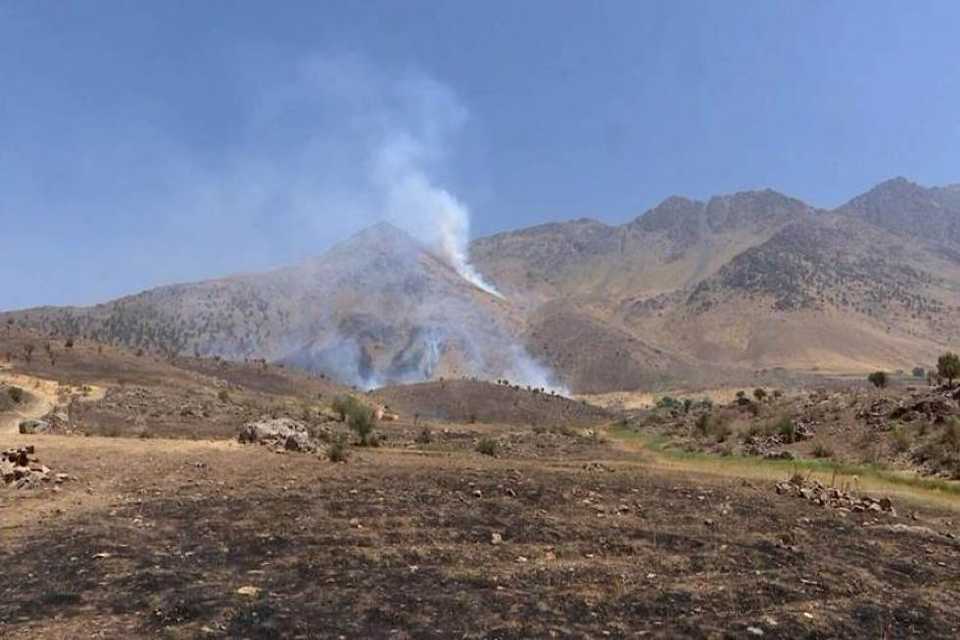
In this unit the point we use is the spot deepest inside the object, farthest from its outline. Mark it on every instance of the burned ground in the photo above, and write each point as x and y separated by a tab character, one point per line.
561	533
475	401
401	545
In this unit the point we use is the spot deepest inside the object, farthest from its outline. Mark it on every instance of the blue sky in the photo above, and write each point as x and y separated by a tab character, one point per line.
144	143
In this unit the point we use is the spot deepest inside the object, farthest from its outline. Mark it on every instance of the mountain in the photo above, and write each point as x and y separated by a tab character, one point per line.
376	308
906	208
675	244
688	293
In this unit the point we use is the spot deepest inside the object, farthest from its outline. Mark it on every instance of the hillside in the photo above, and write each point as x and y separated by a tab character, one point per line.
686	293
377	308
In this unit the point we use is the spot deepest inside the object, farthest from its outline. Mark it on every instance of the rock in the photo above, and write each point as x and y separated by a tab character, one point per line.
19	469
779	455
496	538
756	631
6	470
285	434
29	427
249	591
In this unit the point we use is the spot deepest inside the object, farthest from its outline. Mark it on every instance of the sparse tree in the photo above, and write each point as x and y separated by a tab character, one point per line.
362	421
28	350
878	379
948	366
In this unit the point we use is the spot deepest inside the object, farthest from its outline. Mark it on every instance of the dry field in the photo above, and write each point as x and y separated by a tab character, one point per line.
562	534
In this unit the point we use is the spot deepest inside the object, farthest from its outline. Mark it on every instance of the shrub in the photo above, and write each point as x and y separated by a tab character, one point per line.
487	446
667	402
878	379
338	450
759	394
68	344
703	424
344	405
948	366
822	451
16	394
901	440
223	395
713	426
362	422
951	436
425	436
786	429
777	393
919	372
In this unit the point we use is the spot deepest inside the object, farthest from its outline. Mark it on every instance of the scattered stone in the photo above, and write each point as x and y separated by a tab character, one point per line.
21	470
843	501
596	466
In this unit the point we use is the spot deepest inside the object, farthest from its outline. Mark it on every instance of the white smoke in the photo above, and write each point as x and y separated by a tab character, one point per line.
410	194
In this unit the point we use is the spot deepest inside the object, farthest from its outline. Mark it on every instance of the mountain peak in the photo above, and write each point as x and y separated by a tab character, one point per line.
381	237
907	208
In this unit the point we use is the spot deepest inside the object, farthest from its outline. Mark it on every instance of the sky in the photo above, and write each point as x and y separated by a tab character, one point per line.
145	143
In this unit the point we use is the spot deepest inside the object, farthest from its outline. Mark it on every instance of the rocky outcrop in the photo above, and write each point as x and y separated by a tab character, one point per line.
285	434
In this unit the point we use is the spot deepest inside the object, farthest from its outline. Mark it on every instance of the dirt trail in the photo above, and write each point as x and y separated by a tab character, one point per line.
43	394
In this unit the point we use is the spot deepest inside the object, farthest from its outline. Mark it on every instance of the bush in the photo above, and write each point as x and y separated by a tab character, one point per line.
362	422
339	449
786	430
878	379
759	394
667	402
948	366
487	446
950	440
901	440
919	372
344	405
822	451
16	394
425	436
223	395
713	427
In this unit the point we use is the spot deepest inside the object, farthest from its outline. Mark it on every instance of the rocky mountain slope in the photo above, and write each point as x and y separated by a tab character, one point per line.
682	294
377	308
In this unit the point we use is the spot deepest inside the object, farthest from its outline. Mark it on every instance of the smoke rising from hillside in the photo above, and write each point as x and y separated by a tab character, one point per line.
410	196
394	135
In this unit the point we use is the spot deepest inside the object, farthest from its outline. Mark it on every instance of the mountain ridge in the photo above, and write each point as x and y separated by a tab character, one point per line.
670	295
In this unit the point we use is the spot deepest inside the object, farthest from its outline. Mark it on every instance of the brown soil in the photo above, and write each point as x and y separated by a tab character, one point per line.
162	538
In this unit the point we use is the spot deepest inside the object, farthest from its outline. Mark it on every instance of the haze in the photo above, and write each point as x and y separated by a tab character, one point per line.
145	144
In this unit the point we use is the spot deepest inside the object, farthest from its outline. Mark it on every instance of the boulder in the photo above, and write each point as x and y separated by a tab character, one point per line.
280	433
28	427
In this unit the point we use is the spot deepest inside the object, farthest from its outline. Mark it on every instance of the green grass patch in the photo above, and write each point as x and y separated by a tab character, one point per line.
663	445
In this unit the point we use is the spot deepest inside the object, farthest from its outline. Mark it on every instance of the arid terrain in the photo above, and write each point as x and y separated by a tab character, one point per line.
740	288
144	517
